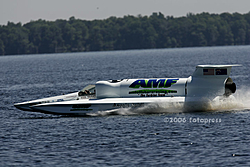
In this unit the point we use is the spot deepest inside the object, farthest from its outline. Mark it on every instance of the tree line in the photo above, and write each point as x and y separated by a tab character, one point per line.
129	32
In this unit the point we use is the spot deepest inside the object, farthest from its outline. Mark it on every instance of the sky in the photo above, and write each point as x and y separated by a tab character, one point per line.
26	10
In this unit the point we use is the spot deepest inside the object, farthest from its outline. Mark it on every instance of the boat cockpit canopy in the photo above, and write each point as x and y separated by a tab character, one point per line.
88	90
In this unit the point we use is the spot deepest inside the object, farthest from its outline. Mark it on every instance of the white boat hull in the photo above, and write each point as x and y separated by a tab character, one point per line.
26	106
82	107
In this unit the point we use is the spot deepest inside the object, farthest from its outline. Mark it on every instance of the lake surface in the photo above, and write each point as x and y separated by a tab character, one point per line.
153	136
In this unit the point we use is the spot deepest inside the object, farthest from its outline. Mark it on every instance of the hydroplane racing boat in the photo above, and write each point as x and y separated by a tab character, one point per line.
207	83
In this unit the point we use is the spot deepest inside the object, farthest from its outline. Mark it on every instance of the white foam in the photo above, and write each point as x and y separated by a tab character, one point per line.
239	101
154	108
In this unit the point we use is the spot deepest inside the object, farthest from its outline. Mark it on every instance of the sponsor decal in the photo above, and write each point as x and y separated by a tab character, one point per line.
81	107
145	86
58	100
125	105
70	97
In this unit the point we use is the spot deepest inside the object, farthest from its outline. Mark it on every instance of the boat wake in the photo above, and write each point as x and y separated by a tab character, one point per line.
154	108
239	102
242	98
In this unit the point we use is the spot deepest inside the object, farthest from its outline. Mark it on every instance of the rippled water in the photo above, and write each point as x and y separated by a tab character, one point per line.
159	134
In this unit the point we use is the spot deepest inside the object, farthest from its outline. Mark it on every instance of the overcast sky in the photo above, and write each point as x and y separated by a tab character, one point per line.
26	10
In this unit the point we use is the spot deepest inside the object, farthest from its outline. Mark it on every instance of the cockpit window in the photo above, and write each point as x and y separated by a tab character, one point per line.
221	71
114	81
88	90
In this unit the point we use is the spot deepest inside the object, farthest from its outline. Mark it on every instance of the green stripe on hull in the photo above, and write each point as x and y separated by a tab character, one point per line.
152	91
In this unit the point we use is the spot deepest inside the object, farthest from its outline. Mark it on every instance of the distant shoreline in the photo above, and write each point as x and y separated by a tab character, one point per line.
130	32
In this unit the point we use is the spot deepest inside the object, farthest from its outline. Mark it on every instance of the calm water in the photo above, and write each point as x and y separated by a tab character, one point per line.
155	135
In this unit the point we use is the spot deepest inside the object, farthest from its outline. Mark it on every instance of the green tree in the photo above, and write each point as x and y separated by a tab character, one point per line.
1	47
129	32
15	38
95	39
80	35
